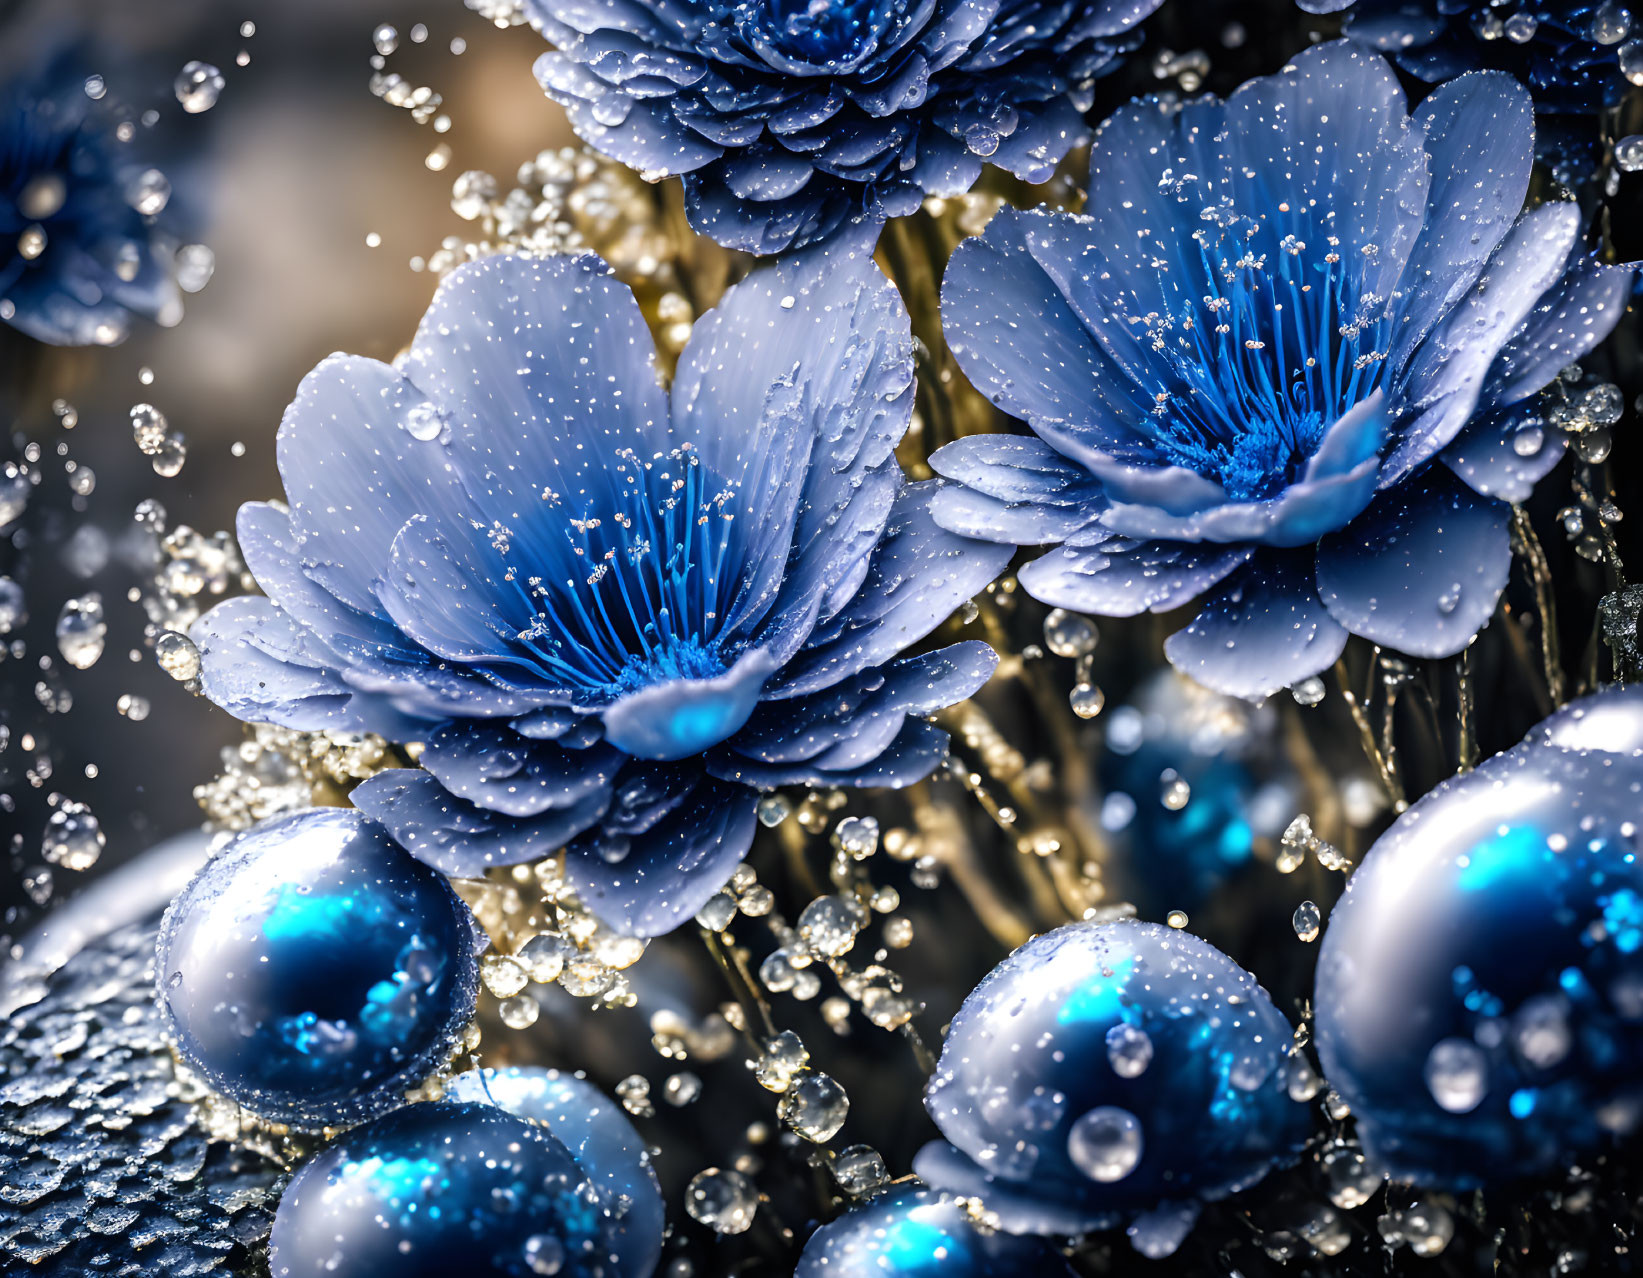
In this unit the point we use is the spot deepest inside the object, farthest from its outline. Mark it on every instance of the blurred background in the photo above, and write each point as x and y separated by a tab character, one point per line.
314	195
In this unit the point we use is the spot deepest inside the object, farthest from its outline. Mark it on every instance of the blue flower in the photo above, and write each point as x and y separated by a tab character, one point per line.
82	244
610	618
789	119
1286	364
1575	55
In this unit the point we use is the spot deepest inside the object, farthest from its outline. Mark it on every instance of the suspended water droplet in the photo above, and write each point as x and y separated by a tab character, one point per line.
502	976
198	85
1308	921
725	1201
1069	635
859	1169
196	264
385	39
1086	700
1105	1144
149	428
80	631
1176	918
13	607
149	192
857	837
1309	691
718	913
681	1089
1540	1031
773	809
829	924
544	1254
74	839
815	1106
177	656
1520	28
519	1012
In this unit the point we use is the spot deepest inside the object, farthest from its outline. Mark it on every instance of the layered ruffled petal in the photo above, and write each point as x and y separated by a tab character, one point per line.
1263	629
1422	569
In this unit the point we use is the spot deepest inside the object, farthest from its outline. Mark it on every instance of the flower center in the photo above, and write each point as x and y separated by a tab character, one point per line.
640	591
1247	376
818	31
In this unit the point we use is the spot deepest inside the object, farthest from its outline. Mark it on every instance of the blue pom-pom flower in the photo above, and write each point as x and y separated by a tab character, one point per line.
1285	365
83	242
611	618
1575	55
789	121
1480	987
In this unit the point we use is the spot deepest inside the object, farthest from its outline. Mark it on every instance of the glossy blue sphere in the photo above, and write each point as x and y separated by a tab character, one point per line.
1480	986
442	1189
606	1146
314	971
1104	1069
918	1234
1242	791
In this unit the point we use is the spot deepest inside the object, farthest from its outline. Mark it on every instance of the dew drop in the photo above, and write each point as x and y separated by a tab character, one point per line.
198	85
1105	1144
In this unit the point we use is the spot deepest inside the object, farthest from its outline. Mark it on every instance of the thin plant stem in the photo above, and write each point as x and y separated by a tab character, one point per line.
1540	574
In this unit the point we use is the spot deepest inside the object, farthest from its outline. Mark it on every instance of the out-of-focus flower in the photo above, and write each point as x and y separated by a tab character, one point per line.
1574	55
791	120
1287	362
83	238
608	617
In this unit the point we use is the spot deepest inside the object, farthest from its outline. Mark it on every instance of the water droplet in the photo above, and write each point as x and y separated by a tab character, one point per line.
829	924
74	839
773	809
1129	1050
386	39
859	1169
718	913
80	631
13	608
198	85
149	193
681	1089
1457	1074
725	1201
1176	918
502	976
1307	921
815	1106
1105	1144
1086	700
1309	691
177	656
196	264
1069	635
519	1012
544	1253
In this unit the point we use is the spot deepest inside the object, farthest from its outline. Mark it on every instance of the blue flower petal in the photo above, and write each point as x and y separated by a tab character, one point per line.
803	728
834	398
497	769
668	873
917	750
459	838
1263	629
354	471
260	666
919	573
1480	133
1422	569
1119	577
1486	453
679	718
526	357
1572	317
